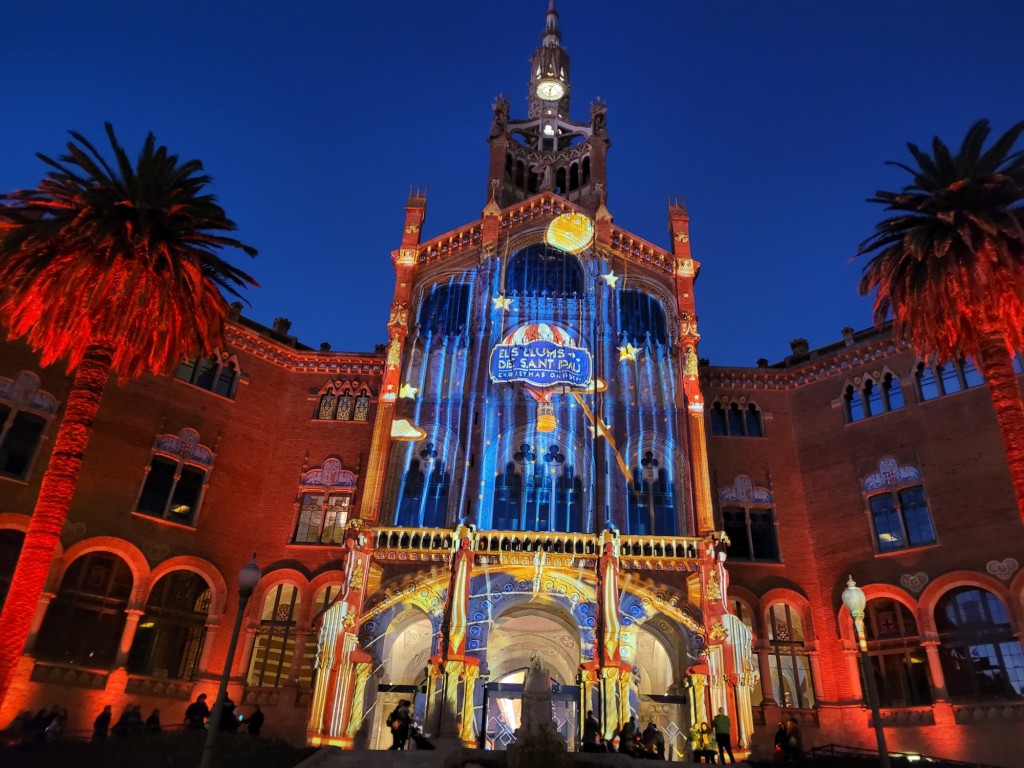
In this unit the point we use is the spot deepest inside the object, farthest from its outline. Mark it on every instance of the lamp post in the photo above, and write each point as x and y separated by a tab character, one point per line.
854	600
248	578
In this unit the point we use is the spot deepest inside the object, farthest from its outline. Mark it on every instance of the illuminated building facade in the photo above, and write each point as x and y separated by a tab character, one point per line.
535	460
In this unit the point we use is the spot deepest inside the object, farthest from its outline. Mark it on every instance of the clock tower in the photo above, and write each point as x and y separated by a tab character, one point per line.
548	152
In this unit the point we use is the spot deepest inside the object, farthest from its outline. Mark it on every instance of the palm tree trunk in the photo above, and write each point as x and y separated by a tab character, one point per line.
58	488
1004	389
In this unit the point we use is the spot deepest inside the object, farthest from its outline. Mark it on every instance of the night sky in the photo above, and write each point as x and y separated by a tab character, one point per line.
773	119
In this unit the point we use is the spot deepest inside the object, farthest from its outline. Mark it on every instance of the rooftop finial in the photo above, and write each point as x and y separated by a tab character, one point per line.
552	34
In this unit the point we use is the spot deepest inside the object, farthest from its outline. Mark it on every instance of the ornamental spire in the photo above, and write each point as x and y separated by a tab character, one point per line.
551	37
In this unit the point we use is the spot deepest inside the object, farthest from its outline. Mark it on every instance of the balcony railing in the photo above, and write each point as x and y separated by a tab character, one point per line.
436	544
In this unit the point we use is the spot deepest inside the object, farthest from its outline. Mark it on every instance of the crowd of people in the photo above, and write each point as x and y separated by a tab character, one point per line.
649	743
49	725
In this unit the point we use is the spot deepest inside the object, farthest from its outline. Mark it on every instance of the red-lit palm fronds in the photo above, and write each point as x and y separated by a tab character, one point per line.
114	269
949	266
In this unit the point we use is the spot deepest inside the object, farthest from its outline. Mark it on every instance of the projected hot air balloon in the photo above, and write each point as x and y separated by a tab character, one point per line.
541	356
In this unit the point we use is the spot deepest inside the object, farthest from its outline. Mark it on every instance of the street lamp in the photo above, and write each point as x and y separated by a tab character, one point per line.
248	578
854	600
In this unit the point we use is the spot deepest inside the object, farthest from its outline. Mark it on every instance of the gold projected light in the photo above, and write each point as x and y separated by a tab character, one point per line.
570	232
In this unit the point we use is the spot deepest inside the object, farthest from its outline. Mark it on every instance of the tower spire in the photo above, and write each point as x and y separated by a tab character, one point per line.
547	151
552	35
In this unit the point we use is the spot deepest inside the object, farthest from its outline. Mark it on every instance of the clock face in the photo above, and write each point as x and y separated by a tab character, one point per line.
550	90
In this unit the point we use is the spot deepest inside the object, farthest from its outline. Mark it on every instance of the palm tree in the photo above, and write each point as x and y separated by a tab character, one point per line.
117	270
949	267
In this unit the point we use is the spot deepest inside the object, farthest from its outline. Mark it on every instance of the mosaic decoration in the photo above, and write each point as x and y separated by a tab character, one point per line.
743	491
890	474
329	475
23	390
915	582
1002	569
186	445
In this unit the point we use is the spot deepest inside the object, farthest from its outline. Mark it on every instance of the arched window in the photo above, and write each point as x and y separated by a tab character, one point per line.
736	419
176	478
574	177
423	501
898	661
853	405
538	491
275	640
981	659
445	311
718	422
872	398
927	386
892	393
343	401
84	622
25	411
935	380
538	270
10	548
641	316
650	506
787	660
217	374
171	632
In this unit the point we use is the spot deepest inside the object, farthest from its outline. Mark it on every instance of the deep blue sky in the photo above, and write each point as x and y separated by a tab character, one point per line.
773	119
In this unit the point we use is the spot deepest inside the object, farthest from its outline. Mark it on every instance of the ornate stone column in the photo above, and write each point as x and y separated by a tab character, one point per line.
931	649
131	625
209	640
853	672
814	657
765	671
355	720
37	621
469	678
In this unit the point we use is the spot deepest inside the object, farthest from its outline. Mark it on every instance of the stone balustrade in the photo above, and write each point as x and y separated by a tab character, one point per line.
634	550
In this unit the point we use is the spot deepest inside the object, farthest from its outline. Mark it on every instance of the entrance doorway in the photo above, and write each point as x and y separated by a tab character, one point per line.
502	708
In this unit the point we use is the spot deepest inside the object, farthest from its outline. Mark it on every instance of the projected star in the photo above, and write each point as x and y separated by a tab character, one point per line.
408	391
611	278
502	302
628	352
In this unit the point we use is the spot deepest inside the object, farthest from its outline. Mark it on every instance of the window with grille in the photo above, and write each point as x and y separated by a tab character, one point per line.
274	644
85	621
169	639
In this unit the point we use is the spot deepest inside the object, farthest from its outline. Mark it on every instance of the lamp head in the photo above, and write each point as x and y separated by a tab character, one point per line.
249	576
853	598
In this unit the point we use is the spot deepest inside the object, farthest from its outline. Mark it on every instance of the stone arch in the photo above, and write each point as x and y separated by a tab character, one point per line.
492	595
929	599
127	551
560	643
407	646
213	577
873	592
796	600
273	578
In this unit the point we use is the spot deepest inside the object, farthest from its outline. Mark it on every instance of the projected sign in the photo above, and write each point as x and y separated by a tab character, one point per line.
540	355
570	232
